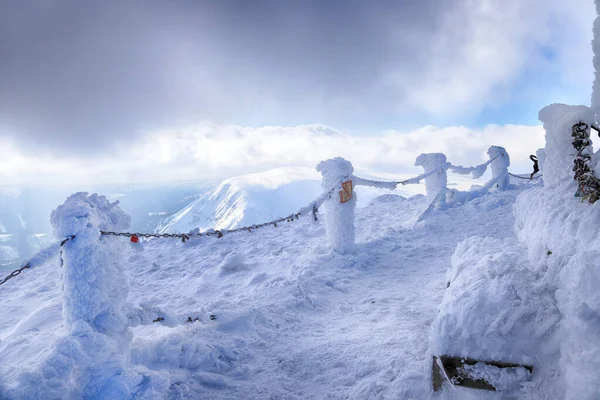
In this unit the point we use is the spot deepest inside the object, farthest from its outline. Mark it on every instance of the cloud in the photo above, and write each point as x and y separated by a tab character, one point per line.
93	76
219	151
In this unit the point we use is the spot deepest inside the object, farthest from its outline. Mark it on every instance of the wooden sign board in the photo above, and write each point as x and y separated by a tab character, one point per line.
346	192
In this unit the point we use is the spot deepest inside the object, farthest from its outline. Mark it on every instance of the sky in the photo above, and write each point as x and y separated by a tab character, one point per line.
156	90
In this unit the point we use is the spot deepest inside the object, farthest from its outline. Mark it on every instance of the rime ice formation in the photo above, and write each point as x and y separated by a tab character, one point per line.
339	217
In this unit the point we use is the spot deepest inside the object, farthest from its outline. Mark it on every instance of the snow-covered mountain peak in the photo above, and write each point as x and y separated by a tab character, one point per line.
248	199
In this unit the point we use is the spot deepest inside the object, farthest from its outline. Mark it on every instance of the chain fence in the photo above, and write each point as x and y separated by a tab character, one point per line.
525	177
312	208
44	254
417	179
589	185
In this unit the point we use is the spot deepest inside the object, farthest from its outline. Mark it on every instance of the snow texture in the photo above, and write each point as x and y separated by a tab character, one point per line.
45	255
562	236
499	165
501	378
339	216
541	156
437	182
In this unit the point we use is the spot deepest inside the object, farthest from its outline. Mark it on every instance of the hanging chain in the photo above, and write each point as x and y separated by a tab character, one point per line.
14	273
218	233
184	238
589	184
27	265
524	177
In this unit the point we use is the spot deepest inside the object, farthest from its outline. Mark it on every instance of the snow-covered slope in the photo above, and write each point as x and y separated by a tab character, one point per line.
247	200
292	319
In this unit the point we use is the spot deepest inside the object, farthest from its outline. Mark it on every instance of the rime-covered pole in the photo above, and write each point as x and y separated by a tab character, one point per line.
95	291
437	182
339	217
499	165
541	156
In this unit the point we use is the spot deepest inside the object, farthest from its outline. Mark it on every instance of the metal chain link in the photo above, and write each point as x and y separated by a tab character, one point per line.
524	177
14	273
589	184
181	236
218	233
27	265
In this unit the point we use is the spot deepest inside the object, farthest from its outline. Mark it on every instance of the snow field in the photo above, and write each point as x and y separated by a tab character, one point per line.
293	319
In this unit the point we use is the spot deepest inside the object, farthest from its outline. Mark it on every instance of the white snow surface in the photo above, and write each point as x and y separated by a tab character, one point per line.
293	319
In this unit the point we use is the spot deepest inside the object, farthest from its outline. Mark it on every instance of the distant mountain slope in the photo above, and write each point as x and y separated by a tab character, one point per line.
264	196
248	199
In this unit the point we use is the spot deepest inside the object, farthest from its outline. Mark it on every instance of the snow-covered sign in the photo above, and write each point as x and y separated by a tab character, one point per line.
346	192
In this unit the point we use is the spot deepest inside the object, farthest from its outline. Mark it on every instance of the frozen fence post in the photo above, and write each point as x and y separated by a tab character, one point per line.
541	156
95	291
339	217
499	166
438	181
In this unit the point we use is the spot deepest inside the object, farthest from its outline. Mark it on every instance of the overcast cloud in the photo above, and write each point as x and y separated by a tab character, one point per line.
95	79
213	151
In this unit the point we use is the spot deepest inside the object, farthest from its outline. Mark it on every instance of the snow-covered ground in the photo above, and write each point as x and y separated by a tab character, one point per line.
293	320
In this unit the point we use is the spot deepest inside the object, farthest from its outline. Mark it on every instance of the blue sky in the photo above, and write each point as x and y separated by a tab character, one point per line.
90	79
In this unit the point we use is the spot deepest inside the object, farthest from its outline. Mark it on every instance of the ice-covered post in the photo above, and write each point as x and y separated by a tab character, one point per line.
95	290
437	182
500	163
339	209
541	156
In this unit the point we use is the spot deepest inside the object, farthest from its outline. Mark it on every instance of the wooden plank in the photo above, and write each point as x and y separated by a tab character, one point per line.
453	369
